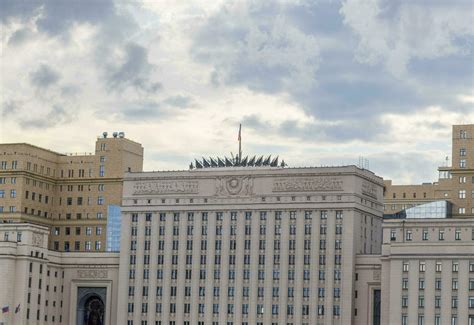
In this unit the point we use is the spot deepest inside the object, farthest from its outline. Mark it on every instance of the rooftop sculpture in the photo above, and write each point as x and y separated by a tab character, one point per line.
237	161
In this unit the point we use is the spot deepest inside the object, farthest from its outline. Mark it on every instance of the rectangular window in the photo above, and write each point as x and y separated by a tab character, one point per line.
454	302
404	320
405	266
421	302
471	302
437	301
422	266
421	320
421	284
324	215
441	234
454	284
404	283
393	235
455	266
425	234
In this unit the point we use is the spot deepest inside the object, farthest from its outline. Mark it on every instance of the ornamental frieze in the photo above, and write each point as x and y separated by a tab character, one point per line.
234	185
92	274
312	184
369	189
166	187
37	239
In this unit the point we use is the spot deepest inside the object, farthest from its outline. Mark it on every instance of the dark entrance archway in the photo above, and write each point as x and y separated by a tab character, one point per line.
94	311
91	306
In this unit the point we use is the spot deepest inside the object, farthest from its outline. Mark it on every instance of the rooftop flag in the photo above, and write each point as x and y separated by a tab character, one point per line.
5	309
240	144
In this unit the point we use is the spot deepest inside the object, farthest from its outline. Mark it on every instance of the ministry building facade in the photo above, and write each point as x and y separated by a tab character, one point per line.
248	246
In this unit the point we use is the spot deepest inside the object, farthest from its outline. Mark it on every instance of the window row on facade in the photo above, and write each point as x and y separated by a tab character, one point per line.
438	266
426	234
230	309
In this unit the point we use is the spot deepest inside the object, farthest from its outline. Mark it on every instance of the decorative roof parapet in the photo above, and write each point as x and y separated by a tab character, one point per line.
237	162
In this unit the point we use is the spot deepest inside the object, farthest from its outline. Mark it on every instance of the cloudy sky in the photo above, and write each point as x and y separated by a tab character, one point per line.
318	82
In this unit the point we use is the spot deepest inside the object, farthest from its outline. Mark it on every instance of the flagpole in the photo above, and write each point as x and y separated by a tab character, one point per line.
240	143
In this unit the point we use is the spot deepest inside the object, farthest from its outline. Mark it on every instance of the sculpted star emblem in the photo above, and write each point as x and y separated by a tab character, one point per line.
234	185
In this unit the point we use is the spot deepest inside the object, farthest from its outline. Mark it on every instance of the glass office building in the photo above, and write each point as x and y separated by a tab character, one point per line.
432	210
113	228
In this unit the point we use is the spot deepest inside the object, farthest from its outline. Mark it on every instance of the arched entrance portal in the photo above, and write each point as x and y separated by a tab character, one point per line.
94	311
91	306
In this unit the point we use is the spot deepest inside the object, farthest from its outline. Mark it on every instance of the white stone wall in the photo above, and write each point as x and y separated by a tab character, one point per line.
46	291
356	193
416	251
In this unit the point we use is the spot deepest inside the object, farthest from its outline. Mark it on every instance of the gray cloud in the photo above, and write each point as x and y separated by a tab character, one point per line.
309	54
258	48
19	36
44	76
18	9
369	130
133	111
55	16
340	86
10	108
395	32
143	110
178	101
111	20
57	115
134	71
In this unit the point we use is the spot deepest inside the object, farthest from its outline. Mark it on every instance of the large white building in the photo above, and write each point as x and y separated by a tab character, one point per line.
247	245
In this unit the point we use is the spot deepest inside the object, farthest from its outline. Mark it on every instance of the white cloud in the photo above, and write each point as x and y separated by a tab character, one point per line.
466	98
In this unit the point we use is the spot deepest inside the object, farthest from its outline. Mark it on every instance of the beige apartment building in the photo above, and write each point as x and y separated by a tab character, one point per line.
71	194
455	184
251	245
